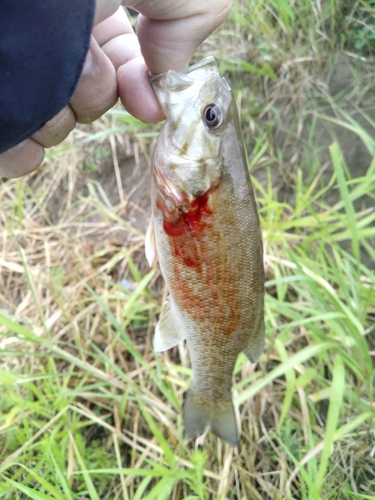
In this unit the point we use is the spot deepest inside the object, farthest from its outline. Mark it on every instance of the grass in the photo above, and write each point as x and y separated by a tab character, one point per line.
87	410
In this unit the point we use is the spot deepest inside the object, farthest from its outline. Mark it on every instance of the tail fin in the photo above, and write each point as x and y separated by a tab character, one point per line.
223	423
198	413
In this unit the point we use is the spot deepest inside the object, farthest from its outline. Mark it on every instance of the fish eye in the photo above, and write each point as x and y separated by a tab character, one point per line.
212	116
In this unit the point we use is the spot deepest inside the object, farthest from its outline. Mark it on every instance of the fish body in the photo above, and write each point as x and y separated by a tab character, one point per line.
205	230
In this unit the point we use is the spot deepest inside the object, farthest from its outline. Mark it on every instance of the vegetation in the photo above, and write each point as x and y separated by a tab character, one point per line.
87	410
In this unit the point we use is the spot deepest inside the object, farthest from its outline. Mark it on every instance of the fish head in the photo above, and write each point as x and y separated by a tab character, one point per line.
197	104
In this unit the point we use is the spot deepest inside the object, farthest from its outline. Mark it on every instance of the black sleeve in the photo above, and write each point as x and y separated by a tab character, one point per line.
43	45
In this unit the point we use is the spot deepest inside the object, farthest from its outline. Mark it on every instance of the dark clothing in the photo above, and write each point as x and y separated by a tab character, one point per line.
43	45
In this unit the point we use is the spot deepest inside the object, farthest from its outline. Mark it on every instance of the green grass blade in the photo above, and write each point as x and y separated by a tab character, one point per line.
335	404
337	160
61	477
300	357
29	492
141	488
313	490
168	452
290	384
86	476
45	484
162	490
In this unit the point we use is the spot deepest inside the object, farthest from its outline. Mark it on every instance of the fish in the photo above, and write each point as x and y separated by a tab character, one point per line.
206	234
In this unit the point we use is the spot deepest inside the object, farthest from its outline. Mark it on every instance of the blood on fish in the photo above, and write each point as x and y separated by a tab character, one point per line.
192	221
184	227
195	245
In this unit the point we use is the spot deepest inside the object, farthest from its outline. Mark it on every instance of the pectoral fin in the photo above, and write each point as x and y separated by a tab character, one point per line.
150	243
169	330
256	342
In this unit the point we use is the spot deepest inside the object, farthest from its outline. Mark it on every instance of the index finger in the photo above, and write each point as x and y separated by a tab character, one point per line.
118	41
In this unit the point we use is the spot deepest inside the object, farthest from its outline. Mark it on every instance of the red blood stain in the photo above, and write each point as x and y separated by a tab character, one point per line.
189	218
192	221
185	226
202	282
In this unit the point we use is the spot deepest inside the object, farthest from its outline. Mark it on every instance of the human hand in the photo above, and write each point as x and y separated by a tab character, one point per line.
168	32
96	92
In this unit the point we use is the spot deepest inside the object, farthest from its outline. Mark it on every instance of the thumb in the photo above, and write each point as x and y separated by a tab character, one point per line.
105	9
169	31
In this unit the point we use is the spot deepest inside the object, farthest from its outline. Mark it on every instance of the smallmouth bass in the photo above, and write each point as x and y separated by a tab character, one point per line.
205	230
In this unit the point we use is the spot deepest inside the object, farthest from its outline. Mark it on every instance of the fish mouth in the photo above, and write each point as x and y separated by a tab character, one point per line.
177	81
207	61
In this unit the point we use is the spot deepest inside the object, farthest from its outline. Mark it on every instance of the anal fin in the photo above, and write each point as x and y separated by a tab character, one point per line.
169	330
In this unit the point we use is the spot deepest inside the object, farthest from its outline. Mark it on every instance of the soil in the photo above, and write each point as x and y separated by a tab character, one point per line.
135	181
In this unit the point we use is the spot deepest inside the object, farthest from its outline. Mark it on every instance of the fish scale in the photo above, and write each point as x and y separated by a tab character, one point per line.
205	230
